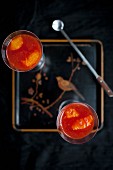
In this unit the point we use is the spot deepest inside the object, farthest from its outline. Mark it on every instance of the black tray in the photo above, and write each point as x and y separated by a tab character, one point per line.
36	96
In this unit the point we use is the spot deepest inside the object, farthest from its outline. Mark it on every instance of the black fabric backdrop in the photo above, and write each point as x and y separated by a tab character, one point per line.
44	151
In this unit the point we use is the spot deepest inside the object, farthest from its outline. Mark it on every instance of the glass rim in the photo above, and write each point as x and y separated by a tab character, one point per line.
67	137
8	39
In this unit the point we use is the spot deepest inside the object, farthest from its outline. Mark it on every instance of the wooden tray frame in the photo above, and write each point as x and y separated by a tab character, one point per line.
102	91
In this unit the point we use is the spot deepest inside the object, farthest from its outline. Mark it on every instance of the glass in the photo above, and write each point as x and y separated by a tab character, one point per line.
22	51
77	122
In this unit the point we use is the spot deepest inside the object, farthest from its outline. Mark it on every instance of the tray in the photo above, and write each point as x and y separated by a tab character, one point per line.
36	96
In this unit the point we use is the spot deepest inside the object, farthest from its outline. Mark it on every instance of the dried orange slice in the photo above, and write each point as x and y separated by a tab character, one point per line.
88	120
16	43
71	113
82	123
31	60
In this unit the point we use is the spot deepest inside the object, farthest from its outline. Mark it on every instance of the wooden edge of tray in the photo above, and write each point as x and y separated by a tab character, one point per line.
102	91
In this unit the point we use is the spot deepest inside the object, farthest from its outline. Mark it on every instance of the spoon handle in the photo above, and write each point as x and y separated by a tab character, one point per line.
99	78
105	86
80	54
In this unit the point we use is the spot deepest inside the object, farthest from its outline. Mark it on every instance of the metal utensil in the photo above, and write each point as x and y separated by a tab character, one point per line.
58	25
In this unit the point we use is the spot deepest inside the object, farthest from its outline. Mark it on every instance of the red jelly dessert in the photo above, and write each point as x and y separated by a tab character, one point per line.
24	52
76	120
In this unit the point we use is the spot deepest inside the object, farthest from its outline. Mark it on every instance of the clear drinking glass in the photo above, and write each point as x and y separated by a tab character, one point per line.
22	51
76	122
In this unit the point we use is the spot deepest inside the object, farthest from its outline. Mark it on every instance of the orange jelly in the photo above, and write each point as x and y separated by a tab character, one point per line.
24	52
76	120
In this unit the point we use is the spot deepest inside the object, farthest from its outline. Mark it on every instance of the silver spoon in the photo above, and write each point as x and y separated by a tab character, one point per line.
58	25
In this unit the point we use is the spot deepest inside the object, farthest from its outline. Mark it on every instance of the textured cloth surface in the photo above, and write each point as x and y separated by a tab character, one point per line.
45	151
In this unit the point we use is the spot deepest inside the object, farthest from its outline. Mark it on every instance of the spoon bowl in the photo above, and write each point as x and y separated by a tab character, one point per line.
57	25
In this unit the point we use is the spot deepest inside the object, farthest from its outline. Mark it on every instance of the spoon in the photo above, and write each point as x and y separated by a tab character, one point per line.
58	25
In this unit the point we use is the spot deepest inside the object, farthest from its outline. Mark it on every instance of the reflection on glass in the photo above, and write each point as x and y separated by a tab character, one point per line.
77	122
23	51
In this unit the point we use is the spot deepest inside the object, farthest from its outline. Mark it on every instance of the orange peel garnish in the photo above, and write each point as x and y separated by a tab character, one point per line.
82	123
16	43
71	113
31	60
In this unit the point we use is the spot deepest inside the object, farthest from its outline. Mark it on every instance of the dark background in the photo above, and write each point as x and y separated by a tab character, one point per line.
43	151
